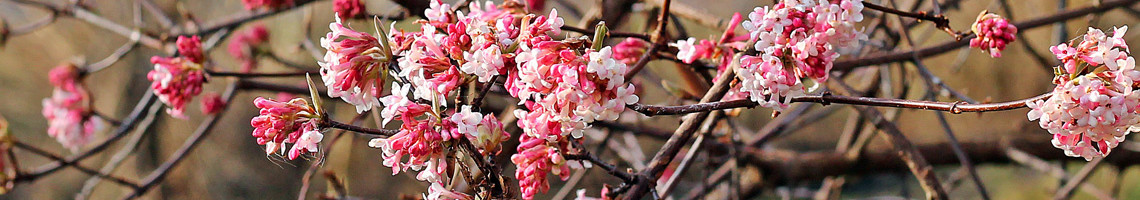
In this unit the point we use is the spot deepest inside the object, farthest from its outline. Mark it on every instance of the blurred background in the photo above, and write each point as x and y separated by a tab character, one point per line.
229	164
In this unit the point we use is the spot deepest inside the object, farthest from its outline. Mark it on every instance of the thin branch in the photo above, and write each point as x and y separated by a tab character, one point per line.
256	75
616	34
609	168
827	99
123	154
79	12
658	40
128	124
57	158
358	129
939	21
910	155
844	65
647	178
159	174
1066	191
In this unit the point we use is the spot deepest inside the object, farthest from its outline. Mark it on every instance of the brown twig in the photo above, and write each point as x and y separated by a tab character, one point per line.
647	178
844	65
257	74
1066	191
159	174
939	21
826	99
127	125
368	131
57	158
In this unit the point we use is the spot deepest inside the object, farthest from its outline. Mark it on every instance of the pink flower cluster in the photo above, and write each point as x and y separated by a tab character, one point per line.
565	85
177	80
346	9
993	32
423	137
796	39
246	46
352	66
269	4
1094	105
68	110
293	122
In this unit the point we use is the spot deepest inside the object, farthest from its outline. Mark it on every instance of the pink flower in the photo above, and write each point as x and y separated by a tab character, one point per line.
630	50
993	32
466	121
439	12
270	4
190	48
177	80
766	81
68	110
352	66
280	123
346	9
689	50
245	46
65	76
802	35
484	63
1094	105
307	143
535	5
212	103
534	160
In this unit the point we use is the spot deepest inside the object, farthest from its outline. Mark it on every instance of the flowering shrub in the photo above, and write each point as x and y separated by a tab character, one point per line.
462	81
177	80
1095	102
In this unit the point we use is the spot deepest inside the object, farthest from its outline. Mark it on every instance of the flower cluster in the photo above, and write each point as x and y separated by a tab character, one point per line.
565	88
1094	105
177	80
796	39
564	84
993	32
293	122
68	110
247	45
269	4
352	66
348	8
562	81
630	50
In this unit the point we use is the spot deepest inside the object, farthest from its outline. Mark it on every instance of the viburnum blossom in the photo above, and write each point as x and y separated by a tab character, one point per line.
1094	105
68	110
247	45
796	40
993	33
212	103
346	9
536	158
630	50
352	66
279	123
270	4
177	80
690	50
